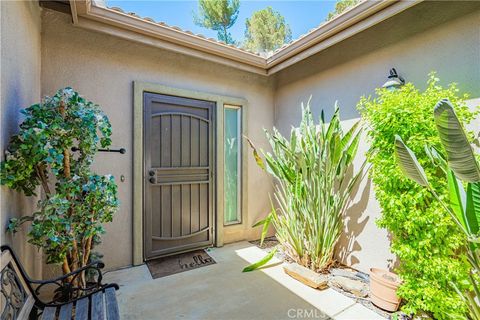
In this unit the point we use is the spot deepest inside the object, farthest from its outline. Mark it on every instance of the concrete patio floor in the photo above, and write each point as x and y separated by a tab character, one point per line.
222	291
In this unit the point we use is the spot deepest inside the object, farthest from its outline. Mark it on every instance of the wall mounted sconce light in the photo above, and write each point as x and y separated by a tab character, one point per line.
394	80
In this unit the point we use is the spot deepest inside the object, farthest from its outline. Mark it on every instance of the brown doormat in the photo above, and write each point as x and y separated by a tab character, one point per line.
166	266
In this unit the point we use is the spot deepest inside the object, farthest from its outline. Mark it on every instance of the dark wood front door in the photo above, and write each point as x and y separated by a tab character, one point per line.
178	174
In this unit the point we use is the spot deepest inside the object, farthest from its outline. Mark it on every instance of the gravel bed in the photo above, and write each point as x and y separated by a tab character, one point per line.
271	242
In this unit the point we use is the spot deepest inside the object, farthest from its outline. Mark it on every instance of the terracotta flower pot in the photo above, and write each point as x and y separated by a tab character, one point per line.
383	289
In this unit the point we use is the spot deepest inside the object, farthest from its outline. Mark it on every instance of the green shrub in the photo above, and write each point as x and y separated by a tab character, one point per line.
314	181
424	237
76	201
460	168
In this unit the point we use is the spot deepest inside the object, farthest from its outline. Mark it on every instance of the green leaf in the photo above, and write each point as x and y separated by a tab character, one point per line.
348	136
268	220
261	262
266	223
460	154
473	206
457	198
333	125
408	163
437	158
259	222
293	140
258	159
353	147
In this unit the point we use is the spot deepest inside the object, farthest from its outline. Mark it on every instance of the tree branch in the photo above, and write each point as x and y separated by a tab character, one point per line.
40	170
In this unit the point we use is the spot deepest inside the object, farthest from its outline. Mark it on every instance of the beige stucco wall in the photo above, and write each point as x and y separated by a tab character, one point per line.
102	68
443	37
440	37
20	87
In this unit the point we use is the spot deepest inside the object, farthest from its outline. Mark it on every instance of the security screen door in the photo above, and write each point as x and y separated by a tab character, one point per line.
178	174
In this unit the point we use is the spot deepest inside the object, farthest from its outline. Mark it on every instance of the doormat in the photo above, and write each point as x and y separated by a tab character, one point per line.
166	266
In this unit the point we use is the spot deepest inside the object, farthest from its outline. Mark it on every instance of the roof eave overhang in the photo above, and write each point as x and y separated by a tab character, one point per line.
355	20
129	27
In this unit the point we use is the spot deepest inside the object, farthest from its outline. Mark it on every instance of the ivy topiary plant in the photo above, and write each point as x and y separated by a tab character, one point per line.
75	201
424	237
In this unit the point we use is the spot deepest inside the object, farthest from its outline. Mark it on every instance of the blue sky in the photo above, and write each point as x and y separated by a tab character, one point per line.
300	15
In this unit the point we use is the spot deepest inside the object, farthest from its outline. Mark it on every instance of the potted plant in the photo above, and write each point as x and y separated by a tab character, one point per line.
383	289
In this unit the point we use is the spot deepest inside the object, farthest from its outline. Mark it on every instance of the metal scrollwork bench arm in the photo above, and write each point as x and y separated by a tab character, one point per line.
79	293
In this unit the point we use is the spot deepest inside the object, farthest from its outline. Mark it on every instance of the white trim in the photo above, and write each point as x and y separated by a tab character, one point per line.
359	18
73	10
337	24
143	26
323	39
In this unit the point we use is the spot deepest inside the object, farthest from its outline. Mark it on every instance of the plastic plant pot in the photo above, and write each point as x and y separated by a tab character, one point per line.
383	289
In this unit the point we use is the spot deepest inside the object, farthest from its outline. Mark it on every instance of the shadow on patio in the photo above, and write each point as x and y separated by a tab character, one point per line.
222	291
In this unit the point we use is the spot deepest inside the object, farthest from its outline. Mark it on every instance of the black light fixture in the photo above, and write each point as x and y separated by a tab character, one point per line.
394	80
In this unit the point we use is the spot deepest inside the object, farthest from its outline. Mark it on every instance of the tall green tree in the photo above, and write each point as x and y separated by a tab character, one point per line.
266	30
340	7
218	15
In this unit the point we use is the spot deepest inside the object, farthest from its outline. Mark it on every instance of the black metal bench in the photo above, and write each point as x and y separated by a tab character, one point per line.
20	295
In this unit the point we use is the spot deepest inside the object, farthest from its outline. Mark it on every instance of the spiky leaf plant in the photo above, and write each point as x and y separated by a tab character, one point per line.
313	185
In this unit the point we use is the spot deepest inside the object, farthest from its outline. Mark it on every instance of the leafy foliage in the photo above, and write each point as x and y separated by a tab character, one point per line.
266	31
71	214
218	15
261	262
313	171
463	207
342	6
424	237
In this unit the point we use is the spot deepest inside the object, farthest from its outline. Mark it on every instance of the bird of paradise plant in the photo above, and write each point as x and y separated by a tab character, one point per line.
461	168
314	182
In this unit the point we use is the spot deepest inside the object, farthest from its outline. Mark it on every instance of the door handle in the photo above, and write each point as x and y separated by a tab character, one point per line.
152	180
151	173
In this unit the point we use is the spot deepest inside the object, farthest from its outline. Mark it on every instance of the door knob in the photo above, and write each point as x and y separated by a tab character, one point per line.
152	180
151	173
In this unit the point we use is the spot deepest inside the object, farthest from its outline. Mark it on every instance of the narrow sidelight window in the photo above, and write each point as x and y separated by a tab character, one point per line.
232	159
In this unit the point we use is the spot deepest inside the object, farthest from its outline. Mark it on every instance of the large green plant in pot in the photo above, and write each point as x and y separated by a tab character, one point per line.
461	167
75	201
423	235
314	178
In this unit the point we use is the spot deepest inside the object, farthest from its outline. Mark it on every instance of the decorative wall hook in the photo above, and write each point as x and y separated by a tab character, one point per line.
121	150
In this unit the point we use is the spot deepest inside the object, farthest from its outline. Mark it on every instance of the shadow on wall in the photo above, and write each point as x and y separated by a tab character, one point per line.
355	221
13	203
393	263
